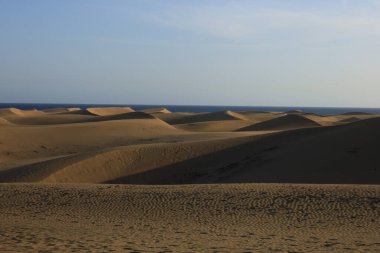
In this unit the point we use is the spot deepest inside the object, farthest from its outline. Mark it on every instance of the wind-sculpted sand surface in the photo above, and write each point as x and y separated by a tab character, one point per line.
189	218
119	180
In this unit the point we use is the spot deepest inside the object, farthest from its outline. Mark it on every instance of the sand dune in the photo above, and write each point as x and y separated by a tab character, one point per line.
340	154
117	147
201	117
295	112
286	122
129	115
314	155
24	142
103	111
156	110
323	120
61	110
112	164
106	111
214	126
189	218
13	111
52	119
4	121
349	120
21	143
64	118
357	113
169	117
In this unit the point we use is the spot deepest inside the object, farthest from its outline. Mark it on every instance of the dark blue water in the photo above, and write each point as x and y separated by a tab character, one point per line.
201	108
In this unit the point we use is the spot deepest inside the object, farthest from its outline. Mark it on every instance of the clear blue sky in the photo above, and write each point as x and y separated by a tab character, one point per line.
258	52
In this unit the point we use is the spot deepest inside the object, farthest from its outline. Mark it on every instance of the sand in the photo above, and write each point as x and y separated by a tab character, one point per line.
189	218
116	180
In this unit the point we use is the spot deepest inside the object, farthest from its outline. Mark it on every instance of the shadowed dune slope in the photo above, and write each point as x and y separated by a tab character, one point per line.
340	154
210	116
291	121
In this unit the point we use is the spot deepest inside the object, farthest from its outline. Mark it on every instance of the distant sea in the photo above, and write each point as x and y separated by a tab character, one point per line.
201	108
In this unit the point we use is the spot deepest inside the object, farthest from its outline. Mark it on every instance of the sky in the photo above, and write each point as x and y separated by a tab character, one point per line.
210	52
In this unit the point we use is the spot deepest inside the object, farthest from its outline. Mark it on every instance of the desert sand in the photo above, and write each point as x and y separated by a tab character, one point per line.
119	180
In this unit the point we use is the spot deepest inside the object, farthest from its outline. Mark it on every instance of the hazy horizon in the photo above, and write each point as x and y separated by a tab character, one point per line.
236	53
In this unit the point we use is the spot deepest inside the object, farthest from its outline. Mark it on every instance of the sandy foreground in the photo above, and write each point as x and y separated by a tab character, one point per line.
117	180
188	218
